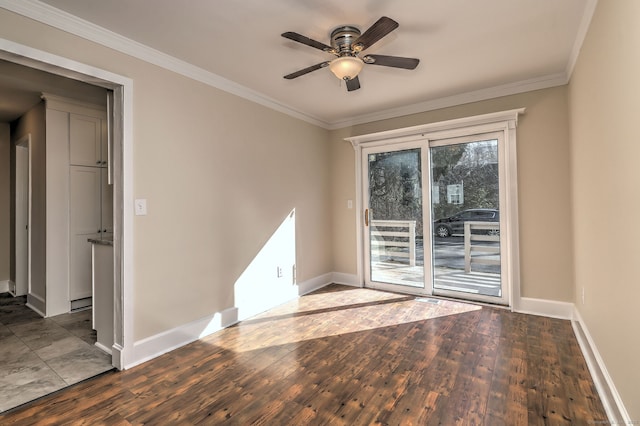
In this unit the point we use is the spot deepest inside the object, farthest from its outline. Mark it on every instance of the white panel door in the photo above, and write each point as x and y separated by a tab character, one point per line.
84	223
22	221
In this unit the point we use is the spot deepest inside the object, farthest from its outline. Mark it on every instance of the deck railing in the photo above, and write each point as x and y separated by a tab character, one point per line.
476	251
397	239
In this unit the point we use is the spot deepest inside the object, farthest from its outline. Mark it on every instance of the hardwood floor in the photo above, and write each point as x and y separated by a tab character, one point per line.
350	356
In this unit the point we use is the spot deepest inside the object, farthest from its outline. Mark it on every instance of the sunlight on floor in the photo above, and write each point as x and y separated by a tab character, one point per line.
328	313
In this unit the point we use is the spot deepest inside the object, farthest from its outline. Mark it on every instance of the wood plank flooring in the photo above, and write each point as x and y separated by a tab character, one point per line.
346	356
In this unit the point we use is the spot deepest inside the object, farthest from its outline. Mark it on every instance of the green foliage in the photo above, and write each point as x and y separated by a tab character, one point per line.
395	181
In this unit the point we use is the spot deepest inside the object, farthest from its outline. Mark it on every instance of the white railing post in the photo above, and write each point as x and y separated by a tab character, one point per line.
406	231
474	243
412	243
467	247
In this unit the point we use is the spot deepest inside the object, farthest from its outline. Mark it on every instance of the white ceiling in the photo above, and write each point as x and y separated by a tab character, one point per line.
468	49
21	88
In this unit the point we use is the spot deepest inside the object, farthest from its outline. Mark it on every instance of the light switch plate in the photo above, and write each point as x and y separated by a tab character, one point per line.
141	206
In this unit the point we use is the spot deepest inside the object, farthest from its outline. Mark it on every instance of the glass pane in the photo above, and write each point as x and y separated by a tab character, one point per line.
395	218
466	227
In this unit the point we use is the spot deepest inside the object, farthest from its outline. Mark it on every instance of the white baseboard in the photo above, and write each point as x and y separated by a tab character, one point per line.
346	279
314	284
616	412
103	348
37	303
117	356
4	286
544	307
161	343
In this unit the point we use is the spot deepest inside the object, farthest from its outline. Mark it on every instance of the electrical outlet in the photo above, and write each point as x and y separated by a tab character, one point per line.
279	271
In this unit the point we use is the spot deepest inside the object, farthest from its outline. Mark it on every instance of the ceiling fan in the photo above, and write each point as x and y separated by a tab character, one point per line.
347	43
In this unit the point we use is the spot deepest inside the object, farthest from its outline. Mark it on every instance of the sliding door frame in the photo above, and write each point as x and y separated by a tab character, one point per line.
420	143
505	122
505	260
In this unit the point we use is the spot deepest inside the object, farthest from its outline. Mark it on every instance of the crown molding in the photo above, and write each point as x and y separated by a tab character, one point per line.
72	24
543	82
589	10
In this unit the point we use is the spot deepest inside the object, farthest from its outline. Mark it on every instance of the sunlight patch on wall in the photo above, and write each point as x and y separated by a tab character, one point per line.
269	280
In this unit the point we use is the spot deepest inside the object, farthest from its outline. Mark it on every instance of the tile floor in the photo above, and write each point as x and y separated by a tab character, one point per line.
42	355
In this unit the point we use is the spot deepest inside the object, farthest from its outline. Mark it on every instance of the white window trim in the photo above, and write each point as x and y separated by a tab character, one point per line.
504	121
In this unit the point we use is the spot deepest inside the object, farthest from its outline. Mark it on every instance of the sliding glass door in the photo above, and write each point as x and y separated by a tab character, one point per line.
466	201
433	217
394	218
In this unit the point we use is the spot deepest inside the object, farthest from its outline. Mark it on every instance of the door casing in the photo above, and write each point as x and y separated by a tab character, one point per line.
123	354
23	216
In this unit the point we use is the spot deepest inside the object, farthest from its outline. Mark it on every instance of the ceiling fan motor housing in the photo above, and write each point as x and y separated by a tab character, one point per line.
343	39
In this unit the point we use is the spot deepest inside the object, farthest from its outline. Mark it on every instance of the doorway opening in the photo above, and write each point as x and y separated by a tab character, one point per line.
121	115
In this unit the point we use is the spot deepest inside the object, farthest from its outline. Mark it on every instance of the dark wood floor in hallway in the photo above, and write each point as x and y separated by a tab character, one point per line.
350	356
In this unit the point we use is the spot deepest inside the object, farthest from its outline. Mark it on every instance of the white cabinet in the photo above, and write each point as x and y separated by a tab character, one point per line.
79	202
90	217
86	194
87	142
85	200
90	198
102	262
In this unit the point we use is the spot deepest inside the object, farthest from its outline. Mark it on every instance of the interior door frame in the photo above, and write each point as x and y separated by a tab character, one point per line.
426	212
24	143
503	121
123	353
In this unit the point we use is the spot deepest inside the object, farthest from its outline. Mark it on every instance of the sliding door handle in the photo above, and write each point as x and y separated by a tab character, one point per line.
366	217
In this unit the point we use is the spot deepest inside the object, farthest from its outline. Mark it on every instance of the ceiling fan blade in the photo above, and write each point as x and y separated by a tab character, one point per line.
306	70
353	84
392	61
306	40
381	28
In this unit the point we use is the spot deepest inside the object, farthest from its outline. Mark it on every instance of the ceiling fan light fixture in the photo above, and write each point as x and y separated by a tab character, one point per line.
346	67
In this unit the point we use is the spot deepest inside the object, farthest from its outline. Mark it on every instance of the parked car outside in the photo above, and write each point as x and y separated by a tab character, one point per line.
448	226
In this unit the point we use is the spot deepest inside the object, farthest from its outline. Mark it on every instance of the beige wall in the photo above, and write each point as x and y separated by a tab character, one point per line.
220	175
5	202
605	103
543	187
